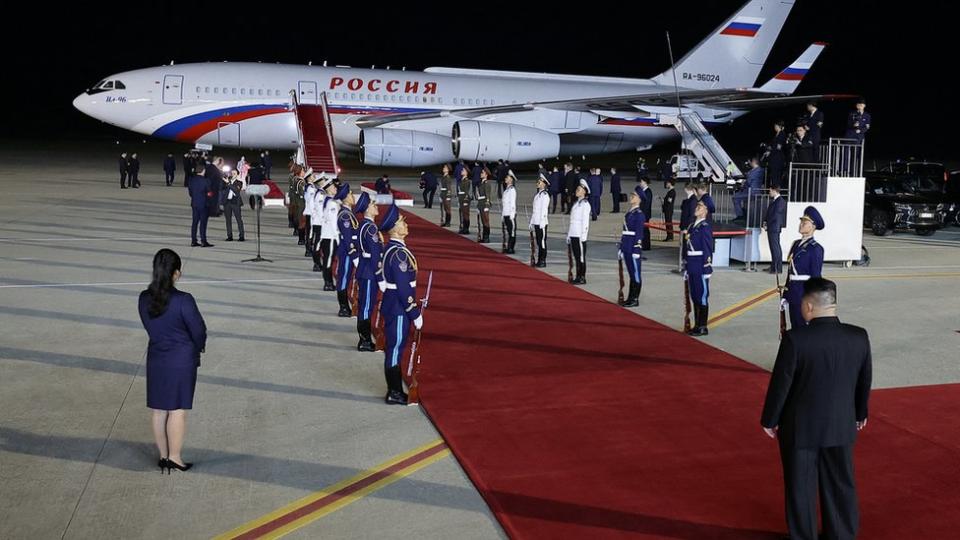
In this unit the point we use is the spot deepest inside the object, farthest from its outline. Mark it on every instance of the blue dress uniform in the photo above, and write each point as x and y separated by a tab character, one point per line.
369	273
631	249
346	251
697	257
805	261
399	306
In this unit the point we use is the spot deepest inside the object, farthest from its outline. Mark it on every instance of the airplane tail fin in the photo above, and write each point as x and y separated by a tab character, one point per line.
733	54
787	81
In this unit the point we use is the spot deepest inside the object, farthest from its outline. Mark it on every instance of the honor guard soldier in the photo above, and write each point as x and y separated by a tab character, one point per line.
577	233
347	255
697	262
316	219
858	122
446	195
538	222
463	200
631	246
804	262
295	193
309	193
369	270
483	204
508	202
399	305
329	208
813	121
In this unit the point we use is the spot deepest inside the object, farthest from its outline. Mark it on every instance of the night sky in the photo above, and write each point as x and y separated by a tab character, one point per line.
901	56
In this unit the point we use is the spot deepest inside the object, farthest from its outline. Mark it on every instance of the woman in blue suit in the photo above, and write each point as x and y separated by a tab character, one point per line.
177	337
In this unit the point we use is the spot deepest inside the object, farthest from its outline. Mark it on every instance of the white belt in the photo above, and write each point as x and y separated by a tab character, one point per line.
799	277
354	237
367	256
628	233
694	253
394	285
481	198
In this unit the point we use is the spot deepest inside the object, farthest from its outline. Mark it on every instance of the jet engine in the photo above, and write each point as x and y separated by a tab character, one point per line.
403	148
490	141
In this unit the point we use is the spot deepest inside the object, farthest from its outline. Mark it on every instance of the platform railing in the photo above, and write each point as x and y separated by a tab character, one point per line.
807	182
842	157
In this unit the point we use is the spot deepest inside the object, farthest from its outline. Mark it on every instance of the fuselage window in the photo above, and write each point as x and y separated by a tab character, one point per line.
120	86
216	90
260	92
233	91
198	89
243	91
206	89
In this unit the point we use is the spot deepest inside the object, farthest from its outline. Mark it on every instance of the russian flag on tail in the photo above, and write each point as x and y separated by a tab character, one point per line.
786	81
743	27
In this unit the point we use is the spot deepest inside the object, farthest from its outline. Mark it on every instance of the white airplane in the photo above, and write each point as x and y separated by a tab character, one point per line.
412	119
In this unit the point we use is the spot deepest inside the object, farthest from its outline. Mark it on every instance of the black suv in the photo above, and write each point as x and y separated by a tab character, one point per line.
950	203
902	202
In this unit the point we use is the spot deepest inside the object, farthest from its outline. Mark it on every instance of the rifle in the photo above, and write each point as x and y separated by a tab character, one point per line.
379	337
620	291
533	262
413	366
352	296
783	310
686	293
503	236
570	263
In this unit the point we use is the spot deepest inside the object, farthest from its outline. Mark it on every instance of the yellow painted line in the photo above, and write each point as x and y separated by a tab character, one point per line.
900	276
750	303
741	307
304	511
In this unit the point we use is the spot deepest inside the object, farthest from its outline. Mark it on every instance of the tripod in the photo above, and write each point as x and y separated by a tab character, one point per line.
259	203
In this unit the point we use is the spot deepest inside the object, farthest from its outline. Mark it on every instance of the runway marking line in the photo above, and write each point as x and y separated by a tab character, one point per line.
741	307
330	499
746	305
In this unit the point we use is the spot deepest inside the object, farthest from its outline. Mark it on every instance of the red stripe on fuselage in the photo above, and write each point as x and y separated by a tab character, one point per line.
193	133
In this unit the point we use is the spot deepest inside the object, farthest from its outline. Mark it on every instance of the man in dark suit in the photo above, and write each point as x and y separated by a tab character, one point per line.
200	193
188	164
169	169
667	206
123	166
647	206
686	207
213	171
773	221
133	167
570	182
615	190
816	403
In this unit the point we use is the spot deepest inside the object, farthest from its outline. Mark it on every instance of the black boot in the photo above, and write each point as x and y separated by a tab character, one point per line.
366	342
486	235
631	300
395	394
345	310
704	318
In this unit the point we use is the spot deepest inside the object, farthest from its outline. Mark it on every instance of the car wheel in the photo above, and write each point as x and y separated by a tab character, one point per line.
880	222
928	231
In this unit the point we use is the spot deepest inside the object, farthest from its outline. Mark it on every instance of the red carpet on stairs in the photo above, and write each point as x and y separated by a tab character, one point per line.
576	418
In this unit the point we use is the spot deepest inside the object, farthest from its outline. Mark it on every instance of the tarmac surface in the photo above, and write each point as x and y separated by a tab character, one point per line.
285	406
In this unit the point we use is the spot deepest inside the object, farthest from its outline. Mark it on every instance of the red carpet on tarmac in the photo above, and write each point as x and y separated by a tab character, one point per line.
576	418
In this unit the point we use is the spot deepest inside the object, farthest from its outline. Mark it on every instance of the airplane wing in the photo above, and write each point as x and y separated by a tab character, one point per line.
734	99
635	102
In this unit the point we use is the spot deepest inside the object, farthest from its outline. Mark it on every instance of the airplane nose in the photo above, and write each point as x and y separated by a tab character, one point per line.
82	103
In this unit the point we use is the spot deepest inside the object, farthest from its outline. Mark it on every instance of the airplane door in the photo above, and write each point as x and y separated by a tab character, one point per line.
228	134
613	142
307	92
172	89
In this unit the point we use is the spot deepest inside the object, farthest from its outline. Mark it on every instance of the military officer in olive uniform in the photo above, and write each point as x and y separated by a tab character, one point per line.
446	195
463	200
483	205
295	192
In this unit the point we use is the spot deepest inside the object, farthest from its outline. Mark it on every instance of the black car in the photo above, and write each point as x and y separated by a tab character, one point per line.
950	202
895	202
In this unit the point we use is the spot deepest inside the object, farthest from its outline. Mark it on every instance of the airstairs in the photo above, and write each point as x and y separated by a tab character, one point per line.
315	131
698	141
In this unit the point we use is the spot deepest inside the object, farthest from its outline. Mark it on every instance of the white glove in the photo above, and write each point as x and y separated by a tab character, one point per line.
382	285
356	262
418	322
619	255
685	276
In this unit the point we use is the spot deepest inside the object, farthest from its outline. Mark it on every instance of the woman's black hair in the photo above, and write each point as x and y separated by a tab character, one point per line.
165	263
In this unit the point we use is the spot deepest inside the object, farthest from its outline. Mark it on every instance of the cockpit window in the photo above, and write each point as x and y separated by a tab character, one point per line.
106	86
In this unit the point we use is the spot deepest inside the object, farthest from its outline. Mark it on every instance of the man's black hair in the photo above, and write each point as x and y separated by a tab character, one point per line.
822	292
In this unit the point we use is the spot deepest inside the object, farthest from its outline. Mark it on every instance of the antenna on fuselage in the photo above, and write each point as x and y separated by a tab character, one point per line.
676	90
171	62
310	63
324	63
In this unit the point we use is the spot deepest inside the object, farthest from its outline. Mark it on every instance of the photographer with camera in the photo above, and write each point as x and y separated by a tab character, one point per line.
801	146
232	204
773	156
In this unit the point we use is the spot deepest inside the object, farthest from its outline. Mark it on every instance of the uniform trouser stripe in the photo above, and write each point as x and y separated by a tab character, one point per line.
703	299
366	286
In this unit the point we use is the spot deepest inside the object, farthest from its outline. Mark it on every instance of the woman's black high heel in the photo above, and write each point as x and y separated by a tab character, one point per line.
174	465
162	464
